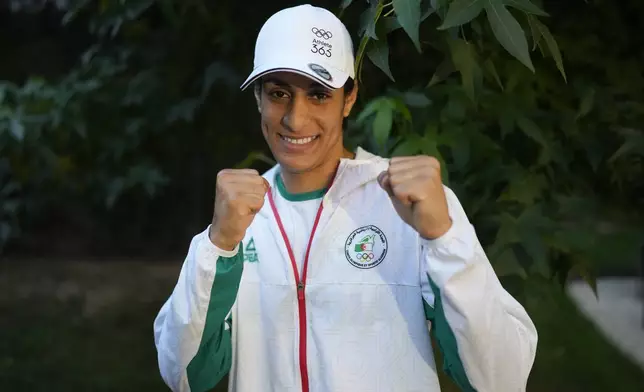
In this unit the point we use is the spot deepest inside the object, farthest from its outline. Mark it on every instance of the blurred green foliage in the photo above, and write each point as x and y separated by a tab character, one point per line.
539	132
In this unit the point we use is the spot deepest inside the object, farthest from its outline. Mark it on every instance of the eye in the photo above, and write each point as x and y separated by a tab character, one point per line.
278	94
320	96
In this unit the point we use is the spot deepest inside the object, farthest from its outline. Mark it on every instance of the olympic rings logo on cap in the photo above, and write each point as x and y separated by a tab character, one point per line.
321	33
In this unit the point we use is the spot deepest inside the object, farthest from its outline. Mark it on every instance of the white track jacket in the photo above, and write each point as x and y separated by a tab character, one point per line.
361	319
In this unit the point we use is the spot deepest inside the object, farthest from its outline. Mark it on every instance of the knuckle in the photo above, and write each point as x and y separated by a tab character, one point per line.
402	195
432	161
222	177
233	201
240	208
395	181
223	173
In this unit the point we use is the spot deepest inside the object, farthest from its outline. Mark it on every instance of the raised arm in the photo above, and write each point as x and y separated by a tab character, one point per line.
487	339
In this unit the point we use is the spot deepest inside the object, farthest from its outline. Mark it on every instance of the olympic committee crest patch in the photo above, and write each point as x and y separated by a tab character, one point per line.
366	247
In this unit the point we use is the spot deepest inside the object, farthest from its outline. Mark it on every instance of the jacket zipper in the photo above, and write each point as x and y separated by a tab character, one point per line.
301	310
300	286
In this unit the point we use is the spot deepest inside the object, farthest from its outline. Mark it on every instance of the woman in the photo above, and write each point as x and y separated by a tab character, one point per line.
324	273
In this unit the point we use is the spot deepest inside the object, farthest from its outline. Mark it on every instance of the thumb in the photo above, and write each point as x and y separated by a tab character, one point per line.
383	181
267	186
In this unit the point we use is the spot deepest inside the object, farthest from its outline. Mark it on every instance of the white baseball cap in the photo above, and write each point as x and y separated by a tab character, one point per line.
307	40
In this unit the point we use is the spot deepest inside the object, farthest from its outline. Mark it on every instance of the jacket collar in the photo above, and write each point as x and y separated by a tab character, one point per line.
352	174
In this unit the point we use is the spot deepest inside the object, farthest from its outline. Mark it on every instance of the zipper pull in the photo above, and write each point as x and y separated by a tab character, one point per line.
300	291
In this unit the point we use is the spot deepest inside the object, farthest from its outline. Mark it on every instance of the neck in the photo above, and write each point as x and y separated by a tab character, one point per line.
315	179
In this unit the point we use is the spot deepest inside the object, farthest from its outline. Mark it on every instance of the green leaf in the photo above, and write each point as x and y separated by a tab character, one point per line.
461	12
440	6
402	108
184	110
506	123
586	274
508	32
379	55
455	109
552	45
391	22
218	72
525	189
532	130
507	233
488	65
595	151
114	190
382	123
370	109
17	129
5	232
587	102
534	31
526	6
429	146
345	4
506	264
409	146
532	224
634	142
368	22
414	99
428	12
444	69
455	138
408	14
464	59
535	247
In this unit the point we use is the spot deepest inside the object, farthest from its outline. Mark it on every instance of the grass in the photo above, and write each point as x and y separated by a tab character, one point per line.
88	327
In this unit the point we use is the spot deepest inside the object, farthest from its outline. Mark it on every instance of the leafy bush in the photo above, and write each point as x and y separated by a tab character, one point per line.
543	145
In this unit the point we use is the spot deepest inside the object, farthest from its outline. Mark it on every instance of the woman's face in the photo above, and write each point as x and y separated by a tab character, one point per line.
302	120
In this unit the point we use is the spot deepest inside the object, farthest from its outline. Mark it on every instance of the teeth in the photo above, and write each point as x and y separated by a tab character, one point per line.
304	140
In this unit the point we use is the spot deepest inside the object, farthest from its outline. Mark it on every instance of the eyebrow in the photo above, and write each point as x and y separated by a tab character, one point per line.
281	83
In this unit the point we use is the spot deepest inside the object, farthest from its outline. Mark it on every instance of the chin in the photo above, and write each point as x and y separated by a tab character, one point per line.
294	164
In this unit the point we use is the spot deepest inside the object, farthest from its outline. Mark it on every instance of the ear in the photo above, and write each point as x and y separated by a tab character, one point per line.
258	97
350	100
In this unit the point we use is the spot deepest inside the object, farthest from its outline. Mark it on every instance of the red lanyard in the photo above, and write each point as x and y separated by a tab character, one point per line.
300	283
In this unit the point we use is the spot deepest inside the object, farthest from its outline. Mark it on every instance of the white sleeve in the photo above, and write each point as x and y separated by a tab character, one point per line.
191	331
487	339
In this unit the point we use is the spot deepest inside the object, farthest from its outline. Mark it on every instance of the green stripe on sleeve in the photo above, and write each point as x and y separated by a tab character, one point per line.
452	365
429	311
214	357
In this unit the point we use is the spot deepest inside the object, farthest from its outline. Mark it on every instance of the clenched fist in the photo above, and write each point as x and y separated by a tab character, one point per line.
416	190
239	196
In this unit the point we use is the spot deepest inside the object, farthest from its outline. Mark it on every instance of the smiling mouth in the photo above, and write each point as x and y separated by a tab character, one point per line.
299	141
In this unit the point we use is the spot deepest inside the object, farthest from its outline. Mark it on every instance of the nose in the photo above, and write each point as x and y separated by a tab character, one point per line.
297	115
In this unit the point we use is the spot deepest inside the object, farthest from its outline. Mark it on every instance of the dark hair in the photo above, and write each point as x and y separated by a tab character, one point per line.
348	86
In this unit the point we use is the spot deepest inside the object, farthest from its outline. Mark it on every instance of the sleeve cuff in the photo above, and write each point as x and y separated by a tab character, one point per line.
444	240
212	249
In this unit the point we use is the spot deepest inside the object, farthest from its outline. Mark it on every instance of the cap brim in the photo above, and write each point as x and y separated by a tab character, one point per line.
338	78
